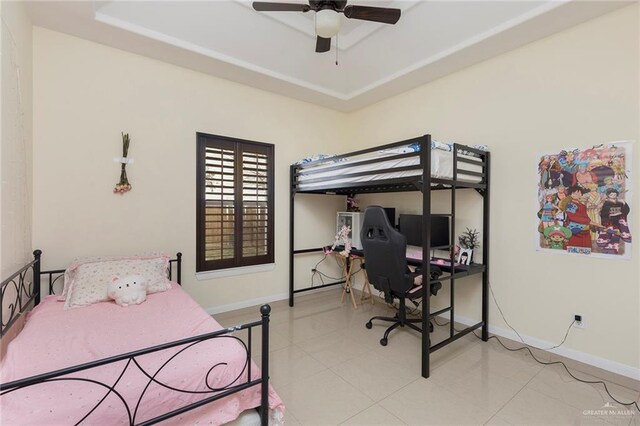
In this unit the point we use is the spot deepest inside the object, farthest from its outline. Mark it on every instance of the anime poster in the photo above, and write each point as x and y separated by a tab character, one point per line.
583	201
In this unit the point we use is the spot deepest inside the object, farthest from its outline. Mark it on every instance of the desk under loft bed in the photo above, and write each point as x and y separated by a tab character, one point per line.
393	168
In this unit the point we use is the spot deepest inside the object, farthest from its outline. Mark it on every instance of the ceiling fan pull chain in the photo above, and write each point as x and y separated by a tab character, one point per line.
336	49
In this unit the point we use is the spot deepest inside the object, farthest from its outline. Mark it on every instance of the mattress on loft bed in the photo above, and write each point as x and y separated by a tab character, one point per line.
441	167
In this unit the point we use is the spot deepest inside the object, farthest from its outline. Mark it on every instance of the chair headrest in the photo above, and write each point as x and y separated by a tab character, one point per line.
376	216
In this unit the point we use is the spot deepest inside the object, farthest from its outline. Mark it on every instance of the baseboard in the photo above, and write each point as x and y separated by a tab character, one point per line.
246	303
592	360
258	301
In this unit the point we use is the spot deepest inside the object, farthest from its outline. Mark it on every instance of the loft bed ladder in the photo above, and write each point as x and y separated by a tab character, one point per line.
453	185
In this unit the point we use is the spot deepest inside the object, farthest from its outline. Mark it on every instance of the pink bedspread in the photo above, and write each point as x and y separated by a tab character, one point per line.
54	338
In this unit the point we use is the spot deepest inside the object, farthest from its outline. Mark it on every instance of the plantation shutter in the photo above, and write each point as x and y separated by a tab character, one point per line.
255	202
220	203
235	205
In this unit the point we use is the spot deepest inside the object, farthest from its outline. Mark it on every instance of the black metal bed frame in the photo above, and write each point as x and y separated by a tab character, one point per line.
27	293
424	183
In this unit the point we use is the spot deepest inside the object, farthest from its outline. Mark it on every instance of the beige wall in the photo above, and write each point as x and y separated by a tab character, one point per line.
86	94
15	152
577	88
16	130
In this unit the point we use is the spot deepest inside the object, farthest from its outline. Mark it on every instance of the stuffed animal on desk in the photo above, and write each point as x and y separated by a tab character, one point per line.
130	290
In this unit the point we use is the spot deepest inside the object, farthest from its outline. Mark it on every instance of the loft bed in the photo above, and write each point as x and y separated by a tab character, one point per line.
410	165
165	360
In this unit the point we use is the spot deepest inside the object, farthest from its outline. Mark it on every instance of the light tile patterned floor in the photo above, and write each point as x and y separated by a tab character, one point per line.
329	369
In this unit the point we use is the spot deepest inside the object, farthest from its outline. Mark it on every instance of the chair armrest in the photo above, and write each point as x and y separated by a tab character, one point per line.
435	273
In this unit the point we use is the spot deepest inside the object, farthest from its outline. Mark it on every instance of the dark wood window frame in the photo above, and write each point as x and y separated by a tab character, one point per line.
242	150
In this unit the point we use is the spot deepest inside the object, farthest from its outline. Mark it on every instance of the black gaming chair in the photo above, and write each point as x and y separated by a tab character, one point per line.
387	269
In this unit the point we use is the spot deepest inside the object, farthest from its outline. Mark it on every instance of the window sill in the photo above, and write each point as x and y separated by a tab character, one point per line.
231	272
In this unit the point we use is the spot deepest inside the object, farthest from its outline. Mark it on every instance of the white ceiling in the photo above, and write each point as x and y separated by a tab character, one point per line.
276	51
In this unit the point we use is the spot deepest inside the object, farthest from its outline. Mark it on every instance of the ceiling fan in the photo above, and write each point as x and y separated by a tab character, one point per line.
328	18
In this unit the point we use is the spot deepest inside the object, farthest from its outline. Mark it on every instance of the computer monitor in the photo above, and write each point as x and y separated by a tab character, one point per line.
410	225
391	215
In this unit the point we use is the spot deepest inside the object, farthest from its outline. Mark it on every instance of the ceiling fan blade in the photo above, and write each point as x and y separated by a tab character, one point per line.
376	14
323	44
263	6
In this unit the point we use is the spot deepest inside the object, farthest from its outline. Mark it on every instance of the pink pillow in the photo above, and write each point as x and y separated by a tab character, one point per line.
87	281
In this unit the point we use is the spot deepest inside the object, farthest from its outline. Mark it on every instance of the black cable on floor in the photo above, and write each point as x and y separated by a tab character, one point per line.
441	325
593	382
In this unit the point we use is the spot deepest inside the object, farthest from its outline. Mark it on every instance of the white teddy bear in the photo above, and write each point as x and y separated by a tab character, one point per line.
131	290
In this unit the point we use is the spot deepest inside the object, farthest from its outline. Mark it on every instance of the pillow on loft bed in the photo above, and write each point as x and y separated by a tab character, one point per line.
443	146
87	281
328	157
473	154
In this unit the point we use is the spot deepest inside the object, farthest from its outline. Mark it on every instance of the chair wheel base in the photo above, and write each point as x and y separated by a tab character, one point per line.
383	342
368	325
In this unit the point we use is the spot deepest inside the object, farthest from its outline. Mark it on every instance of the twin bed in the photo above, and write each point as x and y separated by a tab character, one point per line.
163	360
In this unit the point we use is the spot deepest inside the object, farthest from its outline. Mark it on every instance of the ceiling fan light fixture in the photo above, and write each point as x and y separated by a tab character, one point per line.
328	23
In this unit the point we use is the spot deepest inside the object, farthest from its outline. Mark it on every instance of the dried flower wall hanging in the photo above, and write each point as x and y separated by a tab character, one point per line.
123	185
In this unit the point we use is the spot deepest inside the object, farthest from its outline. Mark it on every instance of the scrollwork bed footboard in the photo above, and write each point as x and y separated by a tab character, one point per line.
19	291
211	389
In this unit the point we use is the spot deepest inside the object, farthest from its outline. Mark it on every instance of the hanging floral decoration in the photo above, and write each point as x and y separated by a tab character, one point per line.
123	185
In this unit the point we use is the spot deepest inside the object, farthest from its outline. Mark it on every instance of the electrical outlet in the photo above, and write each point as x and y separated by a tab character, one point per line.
579	320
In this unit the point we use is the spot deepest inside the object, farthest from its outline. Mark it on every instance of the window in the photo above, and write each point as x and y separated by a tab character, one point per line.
235	203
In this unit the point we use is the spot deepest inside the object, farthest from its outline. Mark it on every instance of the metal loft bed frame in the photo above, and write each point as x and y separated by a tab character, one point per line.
425	183
20	291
